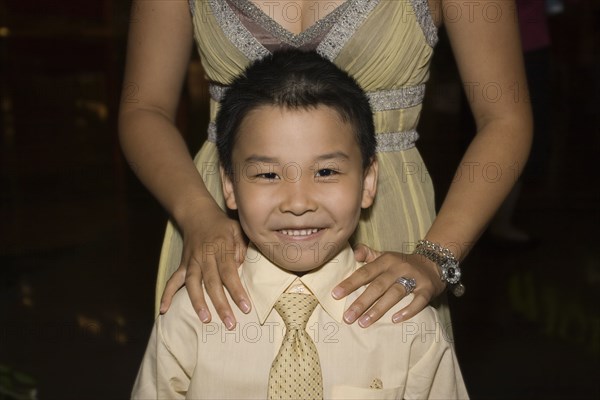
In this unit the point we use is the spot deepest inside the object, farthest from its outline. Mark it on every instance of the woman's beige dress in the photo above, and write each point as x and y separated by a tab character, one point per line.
386	45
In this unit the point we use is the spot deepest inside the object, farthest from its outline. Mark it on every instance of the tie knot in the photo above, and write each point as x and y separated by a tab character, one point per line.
295	309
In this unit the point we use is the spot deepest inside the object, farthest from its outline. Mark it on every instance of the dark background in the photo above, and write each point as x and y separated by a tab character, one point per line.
80	237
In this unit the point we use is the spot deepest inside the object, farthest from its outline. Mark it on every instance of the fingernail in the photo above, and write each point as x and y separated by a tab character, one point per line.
337	292
244	306
364	321
350	316
204	316
228	321
399	317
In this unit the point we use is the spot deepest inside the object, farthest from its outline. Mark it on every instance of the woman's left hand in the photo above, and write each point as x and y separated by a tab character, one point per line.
382	293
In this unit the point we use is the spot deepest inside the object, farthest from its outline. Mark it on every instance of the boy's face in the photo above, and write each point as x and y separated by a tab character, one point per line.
298	184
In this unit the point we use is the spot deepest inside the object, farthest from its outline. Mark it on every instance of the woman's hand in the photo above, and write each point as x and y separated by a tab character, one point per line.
213	249
382	293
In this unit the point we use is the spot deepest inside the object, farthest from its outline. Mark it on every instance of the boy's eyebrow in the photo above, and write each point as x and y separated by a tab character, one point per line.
264	159
254	158
335	154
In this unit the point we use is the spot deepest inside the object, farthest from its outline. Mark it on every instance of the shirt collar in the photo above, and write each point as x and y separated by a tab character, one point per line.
266	282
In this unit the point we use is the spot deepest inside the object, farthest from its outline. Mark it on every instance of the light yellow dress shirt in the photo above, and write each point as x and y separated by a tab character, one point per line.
188	359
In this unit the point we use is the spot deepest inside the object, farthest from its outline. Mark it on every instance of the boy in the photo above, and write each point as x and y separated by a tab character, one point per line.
297	150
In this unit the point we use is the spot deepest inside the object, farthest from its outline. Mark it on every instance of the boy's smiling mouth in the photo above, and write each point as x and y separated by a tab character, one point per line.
299	232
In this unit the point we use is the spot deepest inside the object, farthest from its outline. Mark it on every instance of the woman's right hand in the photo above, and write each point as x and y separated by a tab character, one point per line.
213	249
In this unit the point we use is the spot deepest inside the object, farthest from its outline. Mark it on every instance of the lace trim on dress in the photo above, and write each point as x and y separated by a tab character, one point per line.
386	142
382	100
192	4
212	132
394	99
216	92
396	141
356	13
235	31
321	25
425	20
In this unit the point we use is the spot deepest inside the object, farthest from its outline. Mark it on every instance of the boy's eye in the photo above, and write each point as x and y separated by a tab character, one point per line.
326	172
268	175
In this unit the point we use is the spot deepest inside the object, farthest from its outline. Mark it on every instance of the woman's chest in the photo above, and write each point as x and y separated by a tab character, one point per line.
297	16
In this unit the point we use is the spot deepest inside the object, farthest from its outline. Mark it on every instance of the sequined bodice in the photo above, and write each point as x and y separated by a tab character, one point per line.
385	44
273	36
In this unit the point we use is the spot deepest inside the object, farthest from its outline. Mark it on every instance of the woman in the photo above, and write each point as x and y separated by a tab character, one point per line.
387	46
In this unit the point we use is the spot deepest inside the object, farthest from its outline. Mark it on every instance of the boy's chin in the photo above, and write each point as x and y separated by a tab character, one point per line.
300	266
306	263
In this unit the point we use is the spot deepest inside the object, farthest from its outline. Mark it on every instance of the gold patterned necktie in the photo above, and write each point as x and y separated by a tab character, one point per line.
296	371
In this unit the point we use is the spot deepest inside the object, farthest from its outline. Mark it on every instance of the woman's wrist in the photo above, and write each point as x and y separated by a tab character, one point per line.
188	211
448	265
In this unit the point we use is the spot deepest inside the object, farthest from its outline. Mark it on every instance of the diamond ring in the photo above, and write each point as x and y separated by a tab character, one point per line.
409	284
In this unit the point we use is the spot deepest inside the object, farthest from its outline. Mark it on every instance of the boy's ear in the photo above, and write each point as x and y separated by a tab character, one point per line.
228	192
370	183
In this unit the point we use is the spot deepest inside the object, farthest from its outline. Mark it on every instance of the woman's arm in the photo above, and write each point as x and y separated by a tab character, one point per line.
485	41
158	53
487	50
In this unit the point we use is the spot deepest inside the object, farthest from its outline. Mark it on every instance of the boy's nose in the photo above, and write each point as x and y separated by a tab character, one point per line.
297	197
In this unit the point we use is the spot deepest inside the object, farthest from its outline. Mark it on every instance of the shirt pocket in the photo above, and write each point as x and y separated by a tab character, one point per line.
342	392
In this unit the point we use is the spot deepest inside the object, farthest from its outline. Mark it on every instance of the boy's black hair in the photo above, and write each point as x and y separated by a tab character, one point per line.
294	79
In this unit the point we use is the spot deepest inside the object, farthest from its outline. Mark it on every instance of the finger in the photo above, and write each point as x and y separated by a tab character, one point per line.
193	284
418	303
388	300
372	293
229	274
231	280
360	277
175	282
214	288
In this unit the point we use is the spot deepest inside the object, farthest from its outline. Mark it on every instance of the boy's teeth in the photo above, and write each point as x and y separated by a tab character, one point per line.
299	232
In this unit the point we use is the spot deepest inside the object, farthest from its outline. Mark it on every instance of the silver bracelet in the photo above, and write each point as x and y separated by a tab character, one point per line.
447	263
